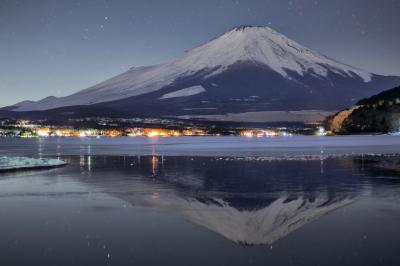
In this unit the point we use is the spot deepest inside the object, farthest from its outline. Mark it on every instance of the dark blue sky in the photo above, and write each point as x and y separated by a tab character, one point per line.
58	47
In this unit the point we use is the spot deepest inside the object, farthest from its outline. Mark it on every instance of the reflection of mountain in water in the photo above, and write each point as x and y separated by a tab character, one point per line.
245	201
251	227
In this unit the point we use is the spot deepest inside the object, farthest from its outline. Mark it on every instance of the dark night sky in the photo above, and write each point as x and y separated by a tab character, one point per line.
58	47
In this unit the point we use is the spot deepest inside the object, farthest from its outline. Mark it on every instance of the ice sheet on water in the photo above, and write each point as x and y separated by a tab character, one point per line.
303	147
14	163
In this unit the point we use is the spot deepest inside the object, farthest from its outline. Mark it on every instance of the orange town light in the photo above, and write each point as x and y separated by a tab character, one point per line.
153	134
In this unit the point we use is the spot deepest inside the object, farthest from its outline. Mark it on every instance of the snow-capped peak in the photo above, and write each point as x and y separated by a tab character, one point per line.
260	45
265	46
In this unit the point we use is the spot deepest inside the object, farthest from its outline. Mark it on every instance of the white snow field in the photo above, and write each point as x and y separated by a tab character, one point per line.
19	163
184	92
253	44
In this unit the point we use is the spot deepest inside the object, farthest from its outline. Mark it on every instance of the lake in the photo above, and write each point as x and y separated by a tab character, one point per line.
203	201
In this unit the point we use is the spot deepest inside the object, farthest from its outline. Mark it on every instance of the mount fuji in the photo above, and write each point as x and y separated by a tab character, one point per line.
248	69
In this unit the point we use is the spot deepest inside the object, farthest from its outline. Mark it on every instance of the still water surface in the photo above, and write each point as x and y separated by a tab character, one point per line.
120	202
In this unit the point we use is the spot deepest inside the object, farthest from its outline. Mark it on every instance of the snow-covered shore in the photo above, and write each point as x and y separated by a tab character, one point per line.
19	163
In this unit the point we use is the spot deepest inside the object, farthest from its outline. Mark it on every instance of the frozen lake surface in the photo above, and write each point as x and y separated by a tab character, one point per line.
204	146
138	201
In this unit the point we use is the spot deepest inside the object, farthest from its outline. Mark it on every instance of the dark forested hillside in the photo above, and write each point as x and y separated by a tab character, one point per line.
377	114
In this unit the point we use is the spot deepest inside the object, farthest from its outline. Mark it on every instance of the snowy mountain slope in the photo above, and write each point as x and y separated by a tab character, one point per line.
184	92
244	60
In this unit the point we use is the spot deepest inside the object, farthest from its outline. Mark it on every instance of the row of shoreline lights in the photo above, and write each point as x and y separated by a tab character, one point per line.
152	133
263	133
47	132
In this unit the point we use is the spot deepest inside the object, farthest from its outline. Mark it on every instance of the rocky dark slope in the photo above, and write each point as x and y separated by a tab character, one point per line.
377	114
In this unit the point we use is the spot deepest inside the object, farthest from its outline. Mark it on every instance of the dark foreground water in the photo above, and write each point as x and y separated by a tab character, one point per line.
189	210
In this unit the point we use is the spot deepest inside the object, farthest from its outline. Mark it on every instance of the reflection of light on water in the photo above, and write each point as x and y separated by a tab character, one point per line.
89	149
40	148
86	160
89	158
89	163
82	161
154	158
154	165
322	166
58	151
81	149
321	159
